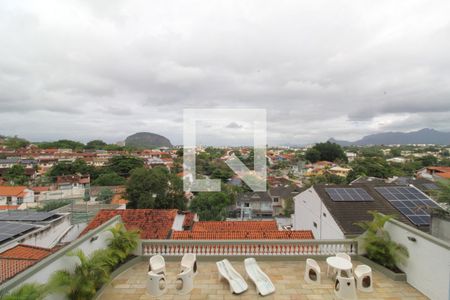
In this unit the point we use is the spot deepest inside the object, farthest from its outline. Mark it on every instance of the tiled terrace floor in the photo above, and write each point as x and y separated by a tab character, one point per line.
287	277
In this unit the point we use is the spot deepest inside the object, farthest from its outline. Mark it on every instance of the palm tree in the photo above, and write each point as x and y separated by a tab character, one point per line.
379	246
89	275
123	242
28	291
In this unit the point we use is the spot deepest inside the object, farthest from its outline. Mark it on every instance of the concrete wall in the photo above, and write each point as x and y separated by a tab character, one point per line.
428	265
49	237
312	214
41	272
440	227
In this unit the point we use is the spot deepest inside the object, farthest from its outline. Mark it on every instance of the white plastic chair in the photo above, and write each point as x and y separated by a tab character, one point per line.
264	285
341	255
156	284
189	261
363	274
344	288
157	264
344	256
312	271
185	281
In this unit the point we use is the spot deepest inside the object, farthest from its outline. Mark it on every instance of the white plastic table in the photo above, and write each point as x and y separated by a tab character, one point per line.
340	264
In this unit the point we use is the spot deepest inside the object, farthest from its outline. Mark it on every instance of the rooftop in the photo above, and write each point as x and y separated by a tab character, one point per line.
151	223
235	225
242	235
287	276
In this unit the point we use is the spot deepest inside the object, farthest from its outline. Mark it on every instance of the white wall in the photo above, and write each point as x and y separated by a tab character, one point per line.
49	237
309	209
428	265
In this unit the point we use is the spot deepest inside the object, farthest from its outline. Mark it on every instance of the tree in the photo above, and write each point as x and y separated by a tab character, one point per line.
16	175
15	142
325	151
155	188
123	164
123	242
89	275
65	168
428	160
379	246
443	193
312	155
62	144
96	144
108	179
105	195
372	166
211	205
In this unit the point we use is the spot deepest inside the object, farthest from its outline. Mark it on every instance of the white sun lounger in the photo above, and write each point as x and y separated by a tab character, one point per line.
237	283
264	285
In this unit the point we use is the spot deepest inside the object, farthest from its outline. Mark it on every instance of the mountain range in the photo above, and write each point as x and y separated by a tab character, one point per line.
423	136
147	140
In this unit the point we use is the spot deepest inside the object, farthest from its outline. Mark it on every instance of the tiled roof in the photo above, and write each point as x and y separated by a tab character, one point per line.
215	226
19	258
151	223
9	207
243	235
188	219
11	190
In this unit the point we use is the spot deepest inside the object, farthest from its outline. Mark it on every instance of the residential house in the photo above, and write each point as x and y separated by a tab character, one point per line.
332	211
15	195
434	173
254	204
281	195
339	171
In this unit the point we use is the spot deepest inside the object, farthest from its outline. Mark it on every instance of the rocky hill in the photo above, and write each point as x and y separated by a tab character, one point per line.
147	140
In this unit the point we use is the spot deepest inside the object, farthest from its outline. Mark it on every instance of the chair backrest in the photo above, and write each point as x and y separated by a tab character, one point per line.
156	259
345	287
189	260
311	262
344	256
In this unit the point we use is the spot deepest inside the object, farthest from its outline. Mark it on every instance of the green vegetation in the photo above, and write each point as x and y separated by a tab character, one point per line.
443	194
155	188
109	179
52	205
122	243
325	151
105	195
28	291
61	144
123	164
211	205
378	244
96	144
65	168
16	175
15	142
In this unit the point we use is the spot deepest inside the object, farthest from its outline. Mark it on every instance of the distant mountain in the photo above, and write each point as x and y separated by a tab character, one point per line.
423	136
147	140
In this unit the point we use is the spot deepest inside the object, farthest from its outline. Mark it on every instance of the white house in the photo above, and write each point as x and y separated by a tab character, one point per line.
15	195
331	211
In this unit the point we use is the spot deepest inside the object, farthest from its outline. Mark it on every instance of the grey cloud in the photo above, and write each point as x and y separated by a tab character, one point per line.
86	69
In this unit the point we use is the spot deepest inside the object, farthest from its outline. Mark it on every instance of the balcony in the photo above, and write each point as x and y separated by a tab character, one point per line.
287	276
282	260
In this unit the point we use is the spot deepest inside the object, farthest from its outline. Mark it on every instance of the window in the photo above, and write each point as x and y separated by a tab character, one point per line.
8	200
19	201
276	199
246	204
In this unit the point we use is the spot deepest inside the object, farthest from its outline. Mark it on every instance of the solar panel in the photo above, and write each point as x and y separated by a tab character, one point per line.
348	194
25	216
411	202
10	230
430	186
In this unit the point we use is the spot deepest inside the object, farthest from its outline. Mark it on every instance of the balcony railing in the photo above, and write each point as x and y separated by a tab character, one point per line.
248	247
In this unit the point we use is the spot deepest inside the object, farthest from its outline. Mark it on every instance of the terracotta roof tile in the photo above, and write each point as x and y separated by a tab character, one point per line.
11	190
243	235
9	207
214	226
19	258
151	223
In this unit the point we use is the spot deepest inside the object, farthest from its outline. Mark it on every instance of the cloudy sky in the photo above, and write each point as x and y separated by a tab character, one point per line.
106	69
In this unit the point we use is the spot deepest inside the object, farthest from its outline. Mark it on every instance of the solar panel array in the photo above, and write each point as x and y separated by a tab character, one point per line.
9	230
430	186
348	194
25	216
411	202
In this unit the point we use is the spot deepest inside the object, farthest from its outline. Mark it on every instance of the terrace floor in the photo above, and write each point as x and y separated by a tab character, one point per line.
287	277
